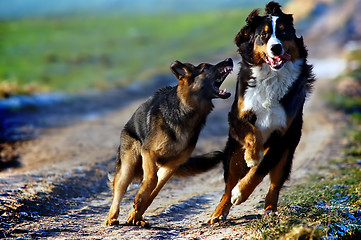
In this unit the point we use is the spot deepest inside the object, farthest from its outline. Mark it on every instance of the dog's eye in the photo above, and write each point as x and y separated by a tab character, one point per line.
264	35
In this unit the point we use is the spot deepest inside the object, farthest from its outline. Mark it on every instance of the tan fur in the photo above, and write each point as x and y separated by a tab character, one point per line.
240	106
266	28
259	52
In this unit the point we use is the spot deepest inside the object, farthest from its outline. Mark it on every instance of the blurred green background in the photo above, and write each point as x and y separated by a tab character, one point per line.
72	46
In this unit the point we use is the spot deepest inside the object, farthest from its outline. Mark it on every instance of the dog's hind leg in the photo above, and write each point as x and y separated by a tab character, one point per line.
149	182
236	170
124	175
285	150
164	173
278	175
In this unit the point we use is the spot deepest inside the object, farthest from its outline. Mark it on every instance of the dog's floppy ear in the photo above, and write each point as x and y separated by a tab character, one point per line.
180	70
245	34
273	8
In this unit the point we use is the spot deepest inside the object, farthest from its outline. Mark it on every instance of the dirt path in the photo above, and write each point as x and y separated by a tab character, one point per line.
61	189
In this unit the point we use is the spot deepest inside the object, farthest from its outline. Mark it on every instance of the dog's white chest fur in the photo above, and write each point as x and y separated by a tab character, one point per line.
264	98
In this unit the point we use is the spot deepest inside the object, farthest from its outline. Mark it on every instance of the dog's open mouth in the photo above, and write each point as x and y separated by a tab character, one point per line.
224	69
277	62
223	73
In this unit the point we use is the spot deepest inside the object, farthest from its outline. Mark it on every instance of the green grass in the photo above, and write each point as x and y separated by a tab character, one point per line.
326	206
82	52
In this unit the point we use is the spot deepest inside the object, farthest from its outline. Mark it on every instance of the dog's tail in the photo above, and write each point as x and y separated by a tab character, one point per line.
199	164
111	176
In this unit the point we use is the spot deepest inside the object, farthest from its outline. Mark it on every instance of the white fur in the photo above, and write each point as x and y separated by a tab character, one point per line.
236	195
273	39
252	163
263	99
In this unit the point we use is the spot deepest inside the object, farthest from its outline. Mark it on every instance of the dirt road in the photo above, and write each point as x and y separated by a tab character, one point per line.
60	191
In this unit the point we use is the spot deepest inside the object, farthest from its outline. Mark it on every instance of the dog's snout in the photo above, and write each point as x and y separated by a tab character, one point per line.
229	61
277	49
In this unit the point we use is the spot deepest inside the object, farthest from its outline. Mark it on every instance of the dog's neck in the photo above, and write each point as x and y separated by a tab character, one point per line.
190	103
275	84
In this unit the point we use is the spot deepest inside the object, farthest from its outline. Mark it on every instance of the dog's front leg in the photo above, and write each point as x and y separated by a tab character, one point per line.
249	137
246	186
236	170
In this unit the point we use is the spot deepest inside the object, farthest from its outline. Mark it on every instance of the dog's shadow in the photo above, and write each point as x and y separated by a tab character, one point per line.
244	219
179	211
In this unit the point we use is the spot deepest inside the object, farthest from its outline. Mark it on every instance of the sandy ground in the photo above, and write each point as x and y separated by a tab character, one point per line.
60	191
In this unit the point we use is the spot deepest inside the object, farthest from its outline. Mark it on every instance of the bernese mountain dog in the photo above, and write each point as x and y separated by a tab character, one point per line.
265	121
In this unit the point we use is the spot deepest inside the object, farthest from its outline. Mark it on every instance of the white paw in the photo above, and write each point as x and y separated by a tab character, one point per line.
252	163
236	196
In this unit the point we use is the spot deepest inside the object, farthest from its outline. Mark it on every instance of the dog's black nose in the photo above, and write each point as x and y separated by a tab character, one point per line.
229	60
277	49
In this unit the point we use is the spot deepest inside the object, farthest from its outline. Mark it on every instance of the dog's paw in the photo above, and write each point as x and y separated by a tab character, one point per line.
253	159
270	214
236	196
140	223
214	219
252	163
111	222
270	209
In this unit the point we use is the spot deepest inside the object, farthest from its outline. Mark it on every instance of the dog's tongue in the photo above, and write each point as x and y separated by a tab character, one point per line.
285	56
278	60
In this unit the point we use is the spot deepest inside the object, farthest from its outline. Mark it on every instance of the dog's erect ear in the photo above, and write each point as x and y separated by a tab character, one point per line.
245	34
273	8
180	70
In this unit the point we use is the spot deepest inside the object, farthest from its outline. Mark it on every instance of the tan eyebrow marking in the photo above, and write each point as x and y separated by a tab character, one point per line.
281	27
266	28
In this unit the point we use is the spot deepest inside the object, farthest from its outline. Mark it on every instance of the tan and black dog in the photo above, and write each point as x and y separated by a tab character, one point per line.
162	134
265	120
